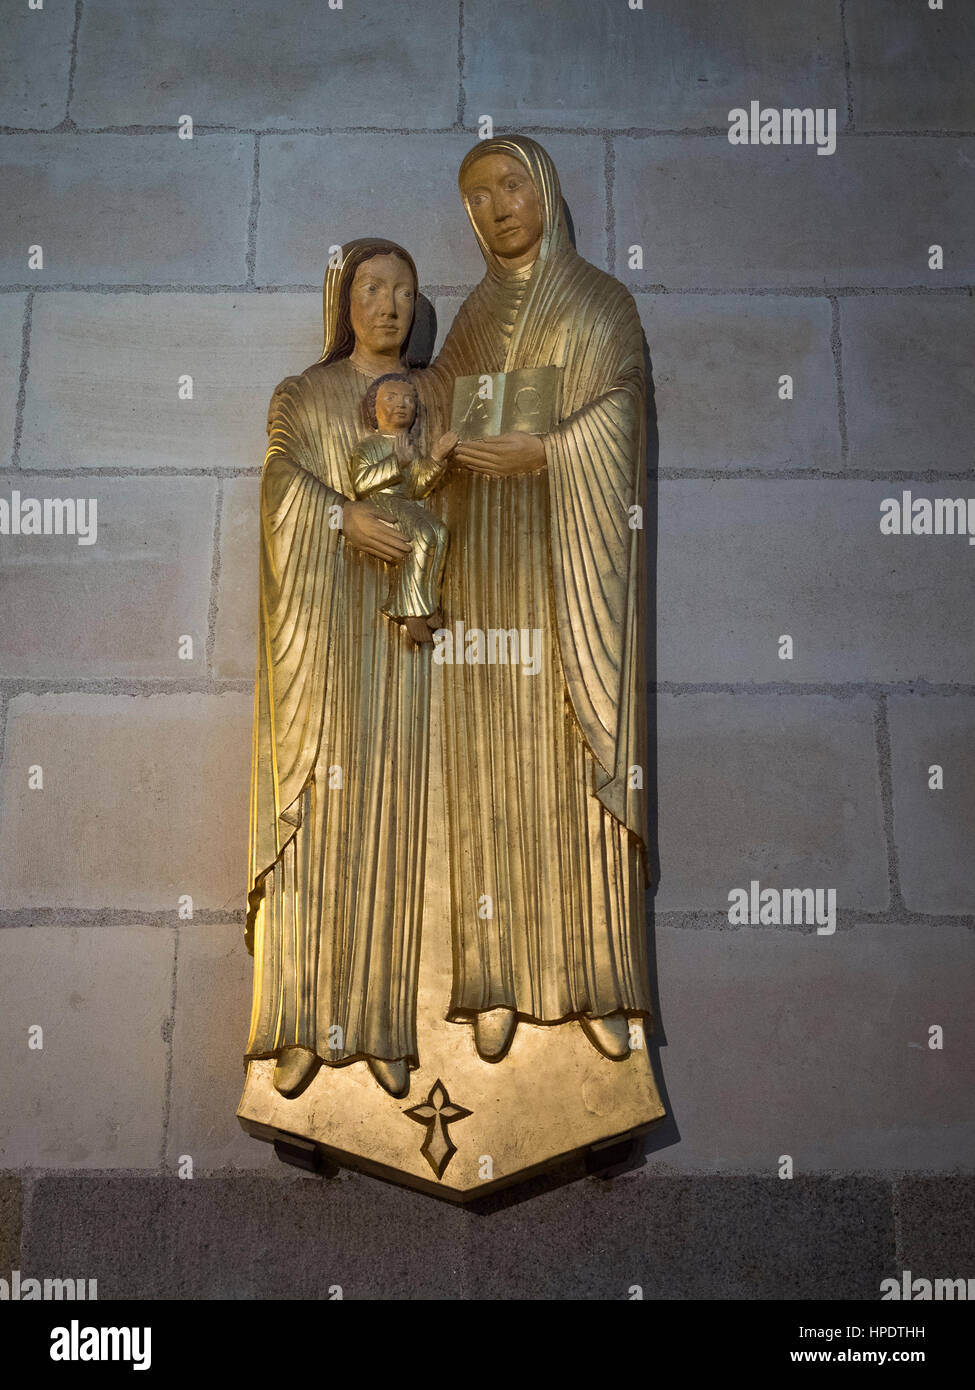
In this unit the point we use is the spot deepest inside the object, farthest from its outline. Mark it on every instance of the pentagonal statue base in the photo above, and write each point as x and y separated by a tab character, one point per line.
467	1127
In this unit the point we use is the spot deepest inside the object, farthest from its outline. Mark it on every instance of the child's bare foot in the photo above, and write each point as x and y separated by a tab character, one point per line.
418	629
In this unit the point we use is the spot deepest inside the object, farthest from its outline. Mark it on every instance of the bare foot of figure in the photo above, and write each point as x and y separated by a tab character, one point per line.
394	1077
609	1035
295	1070
493	1031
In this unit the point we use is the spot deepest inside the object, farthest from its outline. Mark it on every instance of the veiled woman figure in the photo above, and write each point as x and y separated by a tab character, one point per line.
338	792
544	773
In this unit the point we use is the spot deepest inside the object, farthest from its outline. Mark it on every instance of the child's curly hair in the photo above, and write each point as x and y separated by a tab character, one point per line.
369	403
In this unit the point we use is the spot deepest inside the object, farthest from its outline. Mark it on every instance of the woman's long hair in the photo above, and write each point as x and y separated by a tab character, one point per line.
339	337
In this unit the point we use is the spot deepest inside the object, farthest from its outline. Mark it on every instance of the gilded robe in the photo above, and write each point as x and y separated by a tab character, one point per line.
544	774
338	792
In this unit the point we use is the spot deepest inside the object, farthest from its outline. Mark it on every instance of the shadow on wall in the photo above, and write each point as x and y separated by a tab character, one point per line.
666	1133
423	334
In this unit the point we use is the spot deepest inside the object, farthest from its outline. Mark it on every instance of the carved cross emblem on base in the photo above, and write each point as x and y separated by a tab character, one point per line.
437	1112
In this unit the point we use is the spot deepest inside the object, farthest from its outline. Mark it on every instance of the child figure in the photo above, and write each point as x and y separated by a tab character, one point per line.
385	469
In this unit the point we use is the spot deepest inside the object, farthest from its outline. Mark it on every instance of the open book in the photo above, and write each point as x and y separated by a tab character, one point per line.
526	400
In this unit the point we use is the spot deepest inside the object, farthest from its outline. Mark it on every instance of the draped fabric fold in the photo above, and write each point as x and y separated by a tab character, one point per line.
597	482
299	564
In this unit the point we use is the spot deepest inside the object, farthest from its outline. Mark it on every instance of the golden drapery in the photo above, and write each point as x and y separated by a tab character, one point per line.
547	815
339	767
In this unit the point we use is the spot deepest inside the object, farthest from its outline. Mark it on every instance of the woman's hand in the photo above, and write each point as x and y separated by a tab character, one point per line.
504	456
365	529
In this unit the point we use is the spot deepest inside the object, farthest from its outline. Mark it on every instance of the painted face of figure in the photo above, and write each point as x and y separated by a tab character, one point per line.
395	406
504	205
381	302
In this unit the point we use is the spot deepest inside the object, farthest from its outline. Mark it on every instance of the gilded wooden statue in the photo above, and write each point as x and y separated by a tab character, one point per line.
449	839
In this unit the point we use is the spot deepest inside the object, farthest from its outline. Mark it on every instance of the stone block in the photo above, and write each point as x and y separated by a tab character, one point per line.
936	1217
743	562
784	1042
316	191
213	1002
34	64
11	1218
933	829
687	1238
119	607
671	65
235	645
911	66
708	351
305	64
779	788
11	347
125	209
144	800
93	1096
712	215
106	370
910	398
246	1238
151	1237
